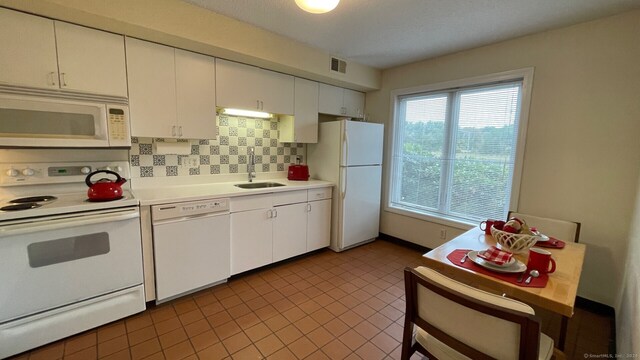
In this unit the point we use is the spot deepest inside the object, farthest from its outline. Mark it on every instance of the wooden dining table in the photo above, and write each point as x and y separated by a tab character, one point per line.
558	296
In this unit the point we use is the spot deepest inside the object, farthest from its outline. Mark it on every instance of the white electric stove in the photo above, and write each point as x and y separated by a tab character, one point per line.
66	264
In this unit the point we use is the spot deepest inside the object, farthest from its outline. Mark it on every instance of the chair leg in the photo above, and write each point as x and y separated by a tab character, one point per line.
407	341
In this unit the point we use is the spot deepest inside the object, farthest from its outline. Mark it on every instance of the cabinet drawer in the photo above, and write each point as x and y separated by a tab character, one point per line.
319	194
245	203
289	197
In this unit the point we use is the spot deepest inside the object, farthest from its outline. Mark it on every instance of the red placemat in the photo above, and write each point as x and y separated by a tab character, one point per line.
456	255
552	243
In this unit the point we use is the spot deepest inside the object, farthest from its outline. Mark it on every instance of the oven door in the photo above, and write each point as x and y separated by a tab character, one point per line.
33	121
46	264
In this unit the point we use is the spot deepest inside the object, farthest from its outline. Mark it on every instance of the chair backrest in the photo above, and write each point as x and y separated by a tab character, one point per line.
559	229
474	323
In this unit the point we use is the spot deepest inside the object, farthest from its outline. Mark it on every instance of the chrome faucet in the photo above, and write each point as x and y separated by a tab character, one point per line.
251	166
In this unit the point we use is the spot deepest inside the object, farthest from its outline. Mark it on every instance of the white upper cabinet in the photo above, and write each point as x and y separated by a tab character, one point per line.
171	92
83	60
247	87
302	127
28	51
196	95
335	100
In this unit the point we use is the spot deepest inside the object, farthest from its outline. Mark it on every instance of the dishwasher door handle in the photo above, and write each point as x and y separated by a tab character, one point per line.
190	217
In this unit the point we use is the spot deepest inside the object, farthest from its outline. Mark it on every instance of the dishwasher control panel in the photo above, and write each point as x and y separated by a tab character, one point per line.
190	208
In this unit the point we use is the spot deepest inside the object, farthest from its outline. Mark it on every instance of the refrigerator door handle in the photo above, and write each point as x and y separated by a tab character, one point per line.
345	142
343	183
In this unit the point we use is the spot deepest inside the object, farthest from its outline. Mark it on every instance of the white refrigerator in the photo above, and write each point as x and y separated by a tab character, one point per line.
349	154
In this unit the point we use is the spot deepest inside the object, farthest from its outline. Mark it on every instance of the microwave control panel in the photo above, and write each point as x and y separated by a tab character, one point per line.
118	126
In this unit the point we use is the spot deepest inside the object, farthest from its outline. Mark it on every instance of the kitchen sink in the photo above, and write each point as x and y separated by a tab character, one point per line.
258	185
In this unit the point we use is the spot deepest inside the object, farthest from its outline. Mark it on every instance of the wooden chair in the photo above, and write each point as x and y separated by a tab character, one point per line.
456	321
559	229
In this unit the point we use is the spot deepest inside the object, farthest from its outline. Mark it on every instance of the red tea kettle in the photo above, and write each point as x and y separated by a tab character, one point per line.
104	189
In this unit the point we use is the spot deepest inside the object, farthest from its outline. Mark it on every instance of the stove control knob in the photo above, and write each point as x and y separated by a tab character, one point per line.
12	172
108	168
28	172
85	170
118	169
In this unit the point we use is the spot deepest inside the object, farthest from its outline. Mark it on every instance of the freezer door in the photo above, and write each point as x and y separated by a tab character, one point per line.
360	205
361	143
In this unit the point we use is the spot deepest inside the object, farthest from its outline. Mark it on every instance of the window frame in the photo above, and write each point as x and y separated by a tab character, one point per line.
525	75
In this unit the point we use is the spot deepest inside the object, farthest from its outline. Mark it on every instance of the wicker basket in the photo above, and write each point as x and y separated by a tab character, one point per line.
515	243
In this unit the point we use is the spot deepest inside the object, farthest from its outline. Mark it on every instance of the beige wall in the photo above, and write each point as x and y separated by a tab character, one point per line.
582	156
186	26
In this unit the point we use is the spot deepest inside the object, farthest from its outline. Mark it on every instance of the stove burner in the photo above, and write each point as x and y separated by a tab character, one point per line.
33	199
21	206
104	200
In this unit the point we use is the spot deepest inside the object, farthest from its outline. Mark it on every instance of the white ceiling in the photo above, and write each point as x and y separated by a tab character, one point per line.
387	33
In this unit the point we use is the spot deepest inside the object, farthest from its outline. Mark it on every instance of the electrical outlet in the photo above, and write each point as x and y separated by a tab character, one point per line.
189	161
443	234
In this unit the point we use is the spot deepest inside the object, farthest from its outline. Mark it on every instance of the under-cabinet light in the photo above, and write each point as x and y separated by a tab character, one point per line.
247	113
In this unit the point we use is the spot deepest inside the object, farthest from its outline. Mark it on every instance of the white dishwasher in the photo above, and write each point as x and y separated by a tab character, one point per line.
191	246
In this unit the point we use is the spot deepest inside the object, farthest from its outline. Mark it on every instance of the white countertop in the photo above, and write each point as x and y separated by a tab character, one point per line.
163	191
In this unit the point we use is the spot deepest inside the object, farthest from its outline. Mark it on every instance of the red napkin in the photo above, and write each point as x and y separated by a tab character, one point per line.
495	255
551	243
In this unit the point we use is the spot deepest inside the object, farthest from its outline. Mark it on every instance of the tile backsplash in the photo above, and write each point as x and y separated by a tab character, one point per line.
228	154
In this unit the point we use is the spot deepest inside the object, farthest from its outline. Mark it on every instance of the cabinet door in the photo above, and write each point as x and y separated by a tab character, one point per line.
236	85
330	100
196	95
353	103
275	91
152	89
91	60
318	224
289	231
251	240
306	111
28	54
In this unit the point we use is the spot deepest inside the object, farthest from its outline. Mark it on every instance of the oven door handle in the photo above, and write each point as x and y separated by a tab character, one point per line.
65	223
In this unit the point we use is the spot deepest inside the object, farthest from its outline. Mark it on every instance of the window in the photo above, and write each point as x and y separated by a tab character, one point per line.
456	151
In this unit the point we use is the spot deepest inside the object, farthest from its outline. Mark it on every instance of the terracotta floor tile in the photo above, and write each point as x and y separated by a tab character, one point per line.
336	327
322	316
309	307
249	320
205	299
302	347
138	322
318	355
184	306
214	352
352	339
250	352
142	335
191	316
289	334
236	342
80	342
124	354
211	309
197	327
257	303
89	353
162	314
227	329
269	345
320	337
145	349
239	310
257	332
395	331
367	330
371	352
351	318
364	310
282	354
172	337
349	301
390	312
219	319
168	325
294	314
306	324
111	346
336	350
273	296
179	351
375	303
277	322
353	356
283	305
223	292
288	290
380	321
111	331
231	301
263	289
204	340
266	312
385	342
298	298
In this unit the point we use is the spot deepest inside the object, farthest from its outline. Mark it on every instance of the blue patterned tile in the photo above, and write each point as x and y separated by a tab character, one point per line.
233	131
158	160
172	171
146	171
224	121
233	150
273	142
287	159
224	140
273	125
265	167
242	141
273	159
251	133
233	168
215	150
280	150
266	151
146	149
135	160
266	134
258	124
194	171
195	149
242	123
205	160
258	141
224	159
215	169
242	159
280	167
258	159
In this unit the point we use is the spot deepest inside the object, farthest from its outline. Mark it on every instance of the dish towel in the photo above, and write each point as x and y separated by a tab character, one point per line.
495	255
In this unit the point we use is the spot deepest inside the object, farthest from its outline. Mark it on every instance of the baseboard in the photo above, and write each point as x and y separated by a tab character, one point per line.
404	243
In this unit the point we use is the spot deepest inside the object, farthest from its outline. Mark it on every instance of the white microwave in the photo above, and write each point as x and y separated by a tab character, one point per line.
62	121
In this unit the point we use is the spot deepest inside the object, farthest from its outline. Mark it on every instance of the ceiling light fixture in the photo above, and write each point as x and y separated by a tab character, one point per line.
247	113
317	6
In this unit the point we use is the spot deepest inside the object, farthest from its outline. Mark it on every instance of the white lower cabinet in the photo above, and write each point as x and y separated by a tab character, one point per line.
274	227
319	224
